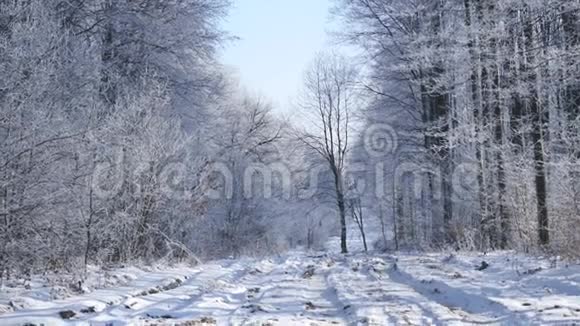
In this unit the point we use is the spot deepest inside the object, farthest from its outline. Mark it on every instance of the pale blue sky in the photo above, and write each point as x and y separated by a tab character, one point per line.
279	38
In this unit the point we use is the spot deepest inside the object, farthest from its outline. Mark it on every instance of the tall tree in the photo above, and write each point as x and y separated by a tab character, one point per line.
328	102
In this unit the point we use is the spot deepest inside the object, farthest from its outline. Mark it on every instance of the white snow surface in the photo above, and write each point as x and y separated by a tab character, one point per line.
301	288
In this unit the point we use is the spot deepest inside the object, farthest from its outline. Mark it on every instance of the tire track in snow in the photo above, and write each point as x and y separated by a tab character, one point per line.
174	303
294	297
376	296
100	301
214	292
534	296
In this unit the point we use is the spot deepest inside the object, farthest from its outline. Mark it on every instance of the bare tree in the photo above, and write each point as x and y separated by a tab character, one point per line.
357	215
329	93
249	139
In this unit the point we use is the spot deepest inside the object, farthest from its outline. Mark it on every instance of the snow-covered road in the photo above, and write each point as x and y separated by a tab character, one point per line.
302	289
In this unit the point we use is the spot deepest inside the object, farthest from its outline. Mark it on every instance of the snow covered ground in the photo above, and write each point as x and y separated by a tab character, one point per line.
324	289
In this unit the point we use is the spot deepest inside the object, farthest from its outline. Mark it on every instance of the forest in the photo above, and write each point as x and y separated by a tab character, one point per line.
124	141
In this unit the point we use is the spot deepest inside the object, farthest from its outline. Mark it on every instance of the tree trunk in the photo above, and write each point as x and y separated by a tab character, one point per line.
440	108
107	88
357	214
474	11
535	110
342	214
572	34
497	118
383	229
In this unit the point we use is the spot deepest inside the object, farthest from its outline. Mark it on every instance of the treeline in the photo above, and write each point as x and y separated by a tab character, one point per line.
124	140
484	96
114	116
